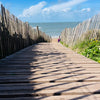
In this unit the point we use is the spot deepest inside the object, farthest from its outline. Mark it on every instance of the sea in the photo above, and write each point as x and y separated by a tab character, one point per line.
54	29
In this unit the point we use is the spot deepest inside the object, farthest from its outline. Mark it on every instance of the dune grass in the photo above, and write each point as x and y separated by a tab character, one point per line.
88	45
90	49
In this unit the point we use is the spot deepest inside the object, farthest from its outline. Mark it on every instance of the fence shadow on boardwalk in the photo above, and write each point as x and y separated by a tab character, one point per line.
15	73
59	81
24	75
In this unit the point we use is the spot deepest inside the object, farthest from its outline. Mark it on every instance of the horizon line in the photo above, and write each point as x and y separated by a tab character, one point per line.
57	22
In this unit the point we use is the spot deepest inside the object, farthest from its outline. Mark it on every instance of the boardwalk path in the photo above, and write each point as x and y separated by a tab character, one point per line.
49	71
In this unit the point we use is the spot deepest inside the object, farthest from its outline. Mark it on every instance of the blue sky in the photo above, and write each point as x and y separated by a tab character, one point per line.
52	10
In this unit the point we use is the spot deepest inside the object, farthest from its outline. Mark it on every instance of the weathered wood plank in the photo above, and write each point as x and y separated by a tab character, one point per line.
48	75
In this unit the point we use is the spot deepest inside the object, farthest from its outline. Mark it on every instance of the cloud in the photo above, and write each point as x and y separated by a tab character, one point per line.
66	9
33	10
42	11
63	6
86	9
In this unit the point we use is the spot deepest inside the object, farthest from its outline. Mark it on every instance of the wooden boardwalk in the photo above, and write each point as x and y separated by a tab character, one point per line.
49	71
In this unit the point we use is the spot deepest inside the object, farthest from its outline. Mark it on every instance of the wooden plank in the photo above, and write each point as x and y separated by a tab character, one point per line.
51	75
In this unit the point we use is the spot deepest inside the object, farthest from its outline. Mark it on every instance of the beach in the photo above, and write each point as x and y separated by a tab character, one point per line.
54	40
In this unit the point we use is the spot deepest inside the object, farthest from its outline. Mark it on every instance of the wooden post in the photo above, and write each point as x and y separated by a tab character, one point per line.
14	34
38	31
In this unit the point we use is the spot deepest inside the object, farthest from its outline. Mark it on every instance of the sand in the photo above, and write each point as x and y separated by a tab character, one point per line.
55	40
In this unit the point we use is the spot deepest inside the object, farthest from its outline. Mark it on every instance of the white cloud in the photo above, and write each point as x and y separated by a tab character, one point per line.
66	9
63	6
86	9
33	10
39	11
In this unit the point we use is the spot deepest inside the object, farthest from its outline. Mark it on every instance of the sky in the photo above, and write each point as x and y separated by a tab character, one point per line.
52	10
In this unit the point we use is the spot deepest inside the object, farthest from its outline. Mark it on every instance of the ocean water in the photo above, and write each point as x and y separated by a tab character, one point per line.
54	29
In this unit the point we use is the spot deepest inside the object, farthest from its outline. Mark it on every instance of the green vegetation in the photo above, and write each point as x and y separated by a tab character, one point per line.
90	46
90	49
